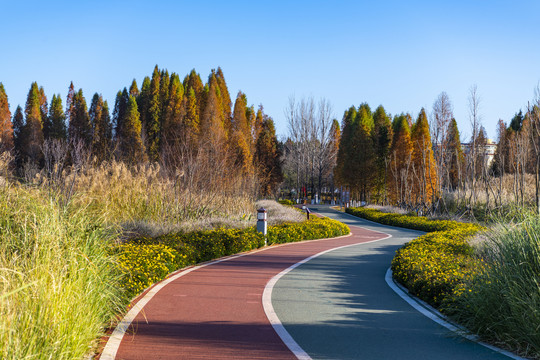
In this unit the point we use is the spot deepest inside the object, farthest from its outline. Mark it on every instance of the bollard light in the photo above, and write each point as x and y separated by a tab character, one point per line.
262	222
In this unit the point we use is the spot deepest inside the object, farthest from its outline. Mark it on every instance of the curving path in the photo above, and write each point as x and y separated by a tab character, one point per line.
339	306
335	306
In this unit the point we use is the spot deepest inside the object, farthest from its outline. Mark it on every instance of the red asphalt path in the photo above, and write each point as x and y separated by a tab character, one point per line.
216	312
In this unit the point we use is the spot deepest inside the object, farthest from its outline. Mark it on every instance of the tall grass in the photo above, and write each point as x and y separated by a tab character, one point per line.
503	304
58	286
60	283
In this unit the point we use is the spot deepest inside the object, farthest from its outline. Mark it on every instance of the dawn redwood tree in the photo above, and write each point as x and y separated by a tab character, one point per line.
69	102
191	123
455	159
400	179
153	126
241	136
213	134
119	115
134	89
363	153
80	127
344	165
424	166
267	159
44	110
102	128
32	133
225	97
143	99
382	141
18	136
193	82
131	147
6	127
57	120
172	132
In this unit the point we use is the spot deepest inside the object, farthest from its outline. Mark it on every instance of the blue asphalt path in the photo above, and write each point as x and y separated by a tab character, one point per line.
338	306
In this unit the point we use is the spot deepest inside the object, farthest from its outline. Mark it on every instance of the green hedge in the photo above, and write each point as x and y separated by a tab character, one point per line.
434	266
286	202
146	260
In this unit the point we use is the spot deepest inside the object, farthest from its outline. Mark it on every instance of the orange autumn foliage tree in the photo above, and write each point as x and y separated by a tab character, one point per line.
400	179
424	168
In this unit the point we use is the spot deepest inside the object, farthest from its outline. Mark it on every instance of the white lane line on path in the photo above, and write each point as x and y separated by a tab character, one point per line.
428	311
269	309
111	348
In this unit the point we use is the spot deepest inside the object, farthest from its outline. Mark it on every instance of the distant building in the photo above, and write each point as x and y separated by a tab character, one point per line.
489	150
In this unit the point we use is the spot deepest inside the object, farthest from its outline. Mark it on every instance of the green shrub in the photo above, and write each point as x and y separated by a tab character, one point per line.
433	265
147	260
286	202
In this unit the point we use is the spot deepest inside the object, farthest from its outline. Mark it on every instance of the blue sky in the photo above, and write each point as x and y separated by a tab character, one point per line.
400	54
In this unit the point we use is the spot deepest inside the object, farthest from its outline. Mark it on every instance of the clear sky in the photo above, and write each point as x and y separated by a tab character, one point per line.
400	54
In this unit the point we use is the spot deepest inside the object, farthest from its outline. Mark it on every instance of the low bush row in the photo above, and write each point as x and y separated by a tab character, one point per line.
434	266
146	260
286	202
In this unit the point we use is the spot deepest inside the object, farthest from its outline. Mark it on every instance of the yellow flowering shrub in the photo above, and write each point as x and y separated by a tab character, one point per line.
146	260
143	265
434	266
315	228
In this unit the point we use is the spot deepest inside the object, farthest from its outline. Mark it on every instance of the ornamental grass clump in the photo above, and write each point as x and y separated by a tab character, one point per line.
58	286
502	304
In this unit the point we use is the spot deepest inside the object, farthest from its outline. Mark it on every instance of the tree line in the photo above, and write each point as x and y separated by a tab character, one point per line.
186	126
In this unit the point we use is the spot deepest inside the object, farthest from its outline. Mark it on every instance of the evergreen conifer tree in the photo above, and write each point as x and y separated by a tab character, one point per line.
80	127
131	147
101	127
172	121
119	114
18	136
382	141
456	161
32	134
142	102
153	126
134	89
57	119
69	102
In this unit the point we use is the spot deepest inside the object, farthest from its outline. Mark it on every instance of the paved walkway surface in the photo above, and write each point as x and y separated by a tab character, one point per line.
339	306
216	312
336	306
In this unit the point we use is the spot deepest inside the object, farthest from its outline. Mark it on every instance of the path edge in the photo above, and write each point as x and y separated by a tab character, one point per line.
433	314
